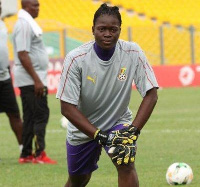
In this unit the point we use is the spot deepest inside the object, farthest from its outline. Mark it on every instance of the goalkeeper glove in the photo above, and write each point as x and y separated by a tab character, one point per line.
117	138
101	137
131	132
124	154
112	139
124	136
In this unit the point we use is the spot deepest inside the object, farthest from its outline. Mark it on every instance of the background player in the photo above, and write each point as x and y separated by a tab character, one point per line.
31	63
8	103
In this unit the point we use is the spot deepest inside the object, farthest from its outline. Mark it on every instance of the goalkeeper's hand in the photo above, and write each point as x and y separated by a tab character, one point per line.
124	154
118	138
124	136
101	137
131	132
112	139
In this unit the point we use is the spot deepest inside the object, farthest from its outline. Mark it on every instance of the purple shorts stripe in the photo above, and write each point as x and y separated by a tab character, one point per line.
82	159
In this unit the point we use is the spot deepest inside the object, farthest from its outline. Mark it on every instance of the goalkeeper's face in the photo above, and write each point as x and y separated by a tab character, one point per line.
106	31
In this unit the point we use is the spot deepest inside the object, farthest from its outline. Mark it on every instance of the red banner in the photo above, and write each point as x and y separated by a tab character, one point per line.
178	76
167	76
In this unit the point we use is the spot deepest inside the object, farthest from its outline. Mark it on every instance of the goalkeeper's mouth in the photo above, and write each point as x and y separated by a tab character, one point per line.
107	41
107	44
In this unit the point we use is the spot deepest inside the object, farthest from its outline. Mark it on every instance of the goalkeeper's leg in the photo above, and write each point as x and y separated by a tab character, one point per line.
123	158
127	176
78	180
82	161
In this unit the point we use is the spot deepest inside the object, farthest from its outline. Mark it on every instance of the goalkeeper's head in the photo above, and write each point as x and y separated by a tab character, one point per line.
107	27
104	9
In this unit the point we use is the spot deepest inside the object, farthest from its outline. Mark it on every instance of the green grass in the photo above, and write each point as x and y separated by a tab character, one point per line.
171	135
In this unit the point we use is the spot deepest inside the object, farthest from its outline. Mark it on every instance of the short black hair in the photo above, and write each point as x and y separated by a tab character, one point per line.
105	9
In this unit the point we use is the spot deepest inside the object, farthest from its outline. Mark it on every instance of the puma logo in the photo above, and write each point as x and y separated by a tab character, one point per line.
91	79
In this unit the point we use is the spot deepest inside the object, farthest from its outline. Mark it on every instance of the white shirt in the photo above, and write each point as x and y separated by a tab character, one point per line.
24	39
4	61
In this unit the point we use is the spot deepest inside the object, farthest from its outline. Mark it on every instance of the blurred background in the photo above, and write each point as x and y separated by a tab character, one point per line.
167	30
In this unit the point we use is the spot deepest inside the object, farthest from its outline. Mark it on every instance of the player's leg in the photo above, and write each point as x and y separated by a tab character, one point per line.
127	176
78	180
82	161
10	107
41	117
16	125
27	98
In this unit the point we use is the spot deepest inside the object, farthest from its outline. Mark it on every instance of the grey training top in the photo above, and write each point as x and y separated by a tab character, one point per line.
4	61
24	39
102	89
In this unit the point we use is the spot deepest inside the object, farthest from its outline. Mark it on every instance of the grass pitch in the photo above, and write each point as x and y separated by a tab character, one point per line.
171	135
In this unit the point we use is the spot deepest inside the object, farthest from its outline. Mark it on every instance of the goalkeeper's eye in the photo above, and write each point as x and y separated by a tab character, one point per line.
101	29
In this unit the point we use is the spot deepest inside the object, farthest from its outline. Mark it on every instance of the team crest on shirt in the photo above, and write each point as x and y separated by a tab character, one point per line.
122	75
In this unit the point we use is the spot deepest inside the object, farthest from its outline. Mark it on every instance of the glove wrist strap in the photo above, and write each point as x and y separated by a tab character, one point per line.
95	134
137	131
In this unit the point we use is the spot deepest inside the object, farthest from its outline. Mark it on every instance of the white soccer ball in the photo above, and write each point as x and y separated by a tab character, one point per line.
64	122
179	173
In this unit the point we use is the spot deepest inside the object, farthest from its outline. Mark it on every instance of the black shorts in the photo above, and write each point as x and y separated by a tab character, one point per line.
8	101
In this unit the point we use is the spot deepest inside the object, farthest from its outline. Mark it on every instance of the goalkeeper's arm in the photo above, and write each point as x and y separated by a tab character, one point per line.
146	108
71	112
124	154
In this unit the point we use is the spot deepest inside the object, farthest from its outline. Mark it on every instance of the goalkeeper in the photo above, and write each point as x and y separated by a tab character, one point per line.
94	92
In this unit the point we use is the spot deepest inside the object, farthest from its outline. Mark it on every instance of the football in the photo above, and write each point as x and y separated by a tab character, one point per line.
179	173
64	122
